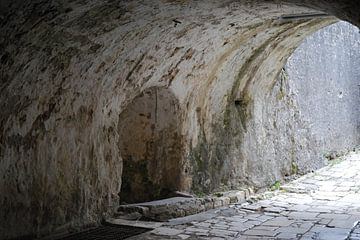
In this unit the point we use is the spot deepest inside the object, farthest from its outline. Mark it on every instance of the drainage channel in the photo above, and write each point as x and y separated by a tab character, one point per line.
108	232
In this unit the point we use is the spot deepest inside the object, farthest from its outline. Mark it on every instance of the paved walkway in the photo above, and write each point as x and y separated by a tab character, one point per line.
320	205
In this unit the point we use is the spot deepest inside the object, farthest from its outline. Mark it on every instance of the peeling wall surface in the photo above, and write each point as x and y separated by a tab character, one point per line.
74	74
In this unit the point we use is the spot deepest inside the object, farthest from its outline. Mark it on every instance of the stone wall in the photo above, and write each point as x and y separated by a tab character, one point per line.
311	110
324	78
71	70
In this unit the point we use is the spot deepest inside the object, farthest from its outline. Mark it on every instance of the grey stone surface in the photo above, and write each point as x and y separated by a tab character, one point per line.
164	231
176	207
324	77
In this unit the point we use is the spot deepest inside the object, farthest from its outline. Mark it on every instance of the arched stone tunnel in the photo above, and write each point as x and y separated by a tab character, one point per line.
93	90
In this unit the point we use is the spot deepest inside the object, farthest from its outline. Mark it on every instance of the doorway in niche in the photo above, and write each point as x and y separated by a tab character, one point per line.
151	146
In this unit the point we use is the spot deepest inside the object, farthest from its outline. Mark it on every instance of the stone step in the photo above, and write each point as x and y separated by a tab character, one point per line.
165	209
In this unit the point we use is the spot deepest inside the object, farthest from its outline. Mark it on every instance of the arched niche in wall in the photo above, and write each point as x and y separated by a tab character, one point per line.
151	146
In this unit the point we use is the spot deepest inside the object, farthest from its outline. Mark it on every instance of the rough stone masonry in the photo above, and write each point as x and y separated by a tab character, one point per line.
189	77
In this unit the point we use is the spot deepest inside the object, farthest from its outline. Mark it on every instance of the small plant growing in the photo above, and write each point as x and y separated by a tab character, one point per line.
275	186
294	168
331	155
336	161
199	194
218	194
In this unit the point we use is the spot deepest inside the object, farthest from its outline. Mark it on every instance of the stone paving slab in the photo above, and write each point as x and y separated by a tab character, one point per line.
321	205
142	224
175	207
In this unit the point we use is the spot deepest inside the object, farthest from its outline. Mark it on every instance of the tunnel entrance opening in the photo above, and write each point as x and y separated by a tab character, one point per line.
151	147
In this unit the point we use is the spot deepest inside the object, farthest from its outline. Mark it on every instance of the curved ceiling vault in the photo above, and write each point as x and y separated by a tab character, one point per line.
69	68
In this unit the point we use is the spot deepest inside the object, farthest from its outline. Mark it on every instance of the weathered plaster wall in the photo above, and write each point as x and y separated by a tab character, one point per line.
69	69
231	143
278	142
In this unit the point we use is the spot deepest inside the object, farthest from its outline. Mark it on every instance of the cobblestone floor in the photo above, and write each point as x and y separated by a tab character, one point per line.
320	205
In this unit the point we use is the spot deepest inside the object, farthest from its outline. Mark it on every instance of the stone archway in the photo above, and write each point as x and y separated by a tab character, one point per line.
151	146
68	69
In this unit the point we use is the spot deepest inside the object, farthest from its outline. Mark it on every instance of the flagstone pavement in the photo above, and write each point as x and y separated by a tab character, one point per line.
321	205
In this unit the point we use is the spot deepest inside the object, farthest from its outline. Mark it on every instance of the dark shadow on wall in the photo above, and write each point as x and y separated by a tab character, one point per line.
151	146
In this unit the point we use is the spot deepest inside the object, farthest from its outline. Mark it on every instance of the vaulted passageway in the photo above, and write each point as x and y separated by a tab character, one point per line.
76	76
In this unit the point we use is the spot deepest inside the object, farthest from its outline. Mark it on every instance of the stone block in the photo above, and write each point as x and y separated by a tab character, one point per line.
261	233
278	222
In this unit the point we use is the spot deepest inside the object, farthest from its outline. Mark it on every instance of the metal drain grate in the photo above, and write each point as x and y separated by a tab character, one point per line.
107	232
